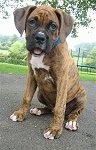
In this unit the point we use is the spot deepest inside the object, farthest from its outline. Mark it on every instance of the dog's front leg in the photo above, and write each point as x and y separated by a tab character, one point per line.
55	128
29	92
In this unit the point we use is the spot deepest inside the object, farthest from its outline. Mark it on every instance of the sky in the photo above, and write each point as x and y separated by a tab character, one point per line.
7	27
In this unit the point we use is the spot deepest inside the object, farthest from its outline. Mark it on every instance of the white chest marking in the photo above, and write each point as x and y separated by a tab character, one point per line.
37	62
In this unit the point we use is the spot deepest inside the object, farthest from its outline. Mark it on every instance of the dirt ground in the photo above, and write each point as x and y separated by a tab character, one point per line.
28	135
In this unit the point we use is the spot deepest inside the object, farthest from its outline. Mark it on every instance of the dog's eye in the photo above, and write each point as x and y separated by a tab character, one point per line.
32	22
52	27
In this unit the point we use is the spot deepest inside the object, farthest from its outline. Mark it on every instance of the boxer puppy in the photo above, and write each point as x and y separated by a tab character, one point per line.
51	68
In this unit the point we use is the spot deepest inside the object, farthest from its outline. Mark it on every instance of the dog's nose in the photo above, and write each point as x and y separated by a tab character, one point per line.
40	37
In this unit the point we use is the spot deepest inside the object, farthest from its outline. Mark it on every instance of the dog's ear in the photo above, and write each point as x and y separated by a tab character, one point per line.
20	16
66	23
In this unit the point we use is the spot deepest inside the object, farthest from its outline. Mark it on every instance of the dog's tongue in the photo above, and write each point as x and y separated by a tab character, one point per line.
37	51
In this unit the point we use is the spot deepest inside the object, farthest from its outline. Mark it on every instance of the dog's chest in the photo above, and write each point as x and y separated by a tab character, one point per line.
42	74
37	62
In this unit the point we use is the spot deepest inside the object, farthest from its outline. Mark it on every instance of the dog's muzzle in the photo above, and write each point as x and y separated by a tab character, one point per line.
40	40
37	43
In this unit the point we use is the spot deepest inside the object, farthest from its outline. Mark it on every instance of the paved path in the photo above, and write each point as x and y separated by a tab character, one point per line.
28	135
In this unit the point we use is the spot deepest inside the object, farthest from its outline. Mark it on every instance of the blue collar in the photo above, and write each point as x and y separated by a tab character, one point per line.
56	42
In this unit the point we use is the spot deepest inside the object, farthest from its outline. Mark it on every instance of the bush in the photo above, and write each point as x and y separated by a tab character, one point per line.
6	59
17	50
17	54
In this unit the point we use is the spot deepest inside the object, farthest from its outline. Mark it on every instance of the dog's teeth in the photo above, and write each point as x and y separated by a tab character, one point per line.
13	117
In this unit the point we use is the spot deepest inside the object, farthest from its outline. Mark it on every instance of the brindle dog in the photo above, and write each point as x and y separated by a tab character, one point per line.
51	68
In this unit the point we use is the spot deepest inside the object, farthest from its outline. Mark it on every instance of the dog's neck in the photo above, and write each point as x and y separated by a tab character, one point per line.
56	42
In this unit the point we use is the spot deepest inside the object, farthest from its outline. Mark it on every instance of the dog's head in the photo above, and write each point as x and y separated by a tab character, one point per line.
44	26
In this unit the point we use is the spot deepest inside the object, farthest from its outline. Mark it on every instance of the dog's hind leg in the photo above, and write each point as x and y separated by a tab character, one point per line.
40	111
43	110
74	110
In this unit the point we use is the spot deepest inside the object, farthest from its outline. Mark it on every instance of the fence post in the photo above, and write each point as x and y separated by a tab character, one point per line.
78	57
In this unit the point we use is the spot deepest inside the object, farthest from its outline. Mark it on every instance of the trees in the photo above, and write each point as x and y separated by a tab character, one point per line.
6	41
78	9
85	47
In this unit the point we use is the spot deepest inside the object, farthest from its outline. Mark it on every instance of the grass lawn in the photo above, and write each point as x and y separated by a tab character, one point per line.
87	76
13	69
22	70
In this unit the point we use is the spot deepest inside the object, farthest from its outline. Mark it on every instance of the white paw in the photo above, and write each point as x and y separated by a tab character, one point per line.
13	117
71	125
35	111
48	135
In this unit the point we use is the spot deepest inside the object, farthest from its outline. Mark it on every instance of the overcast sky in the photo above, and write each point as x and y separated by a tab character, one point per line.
7	27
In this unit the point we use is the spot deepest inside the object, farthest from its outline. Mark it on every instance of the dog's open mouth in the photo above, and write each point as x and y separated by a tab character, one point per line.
37	51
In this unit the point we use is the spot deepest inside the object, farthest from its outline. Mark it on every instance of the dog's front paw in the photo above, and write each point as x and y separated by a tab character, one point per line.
52	133
17	116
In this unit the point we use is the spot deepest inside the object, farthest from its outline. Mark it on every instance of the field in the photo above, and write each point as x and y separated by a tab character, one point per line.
22	70
13	69
87	76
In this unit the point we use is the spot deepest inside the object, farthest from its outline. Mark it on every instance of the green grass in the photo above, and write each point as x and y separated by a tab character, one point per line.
13	69
22	70
87	76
